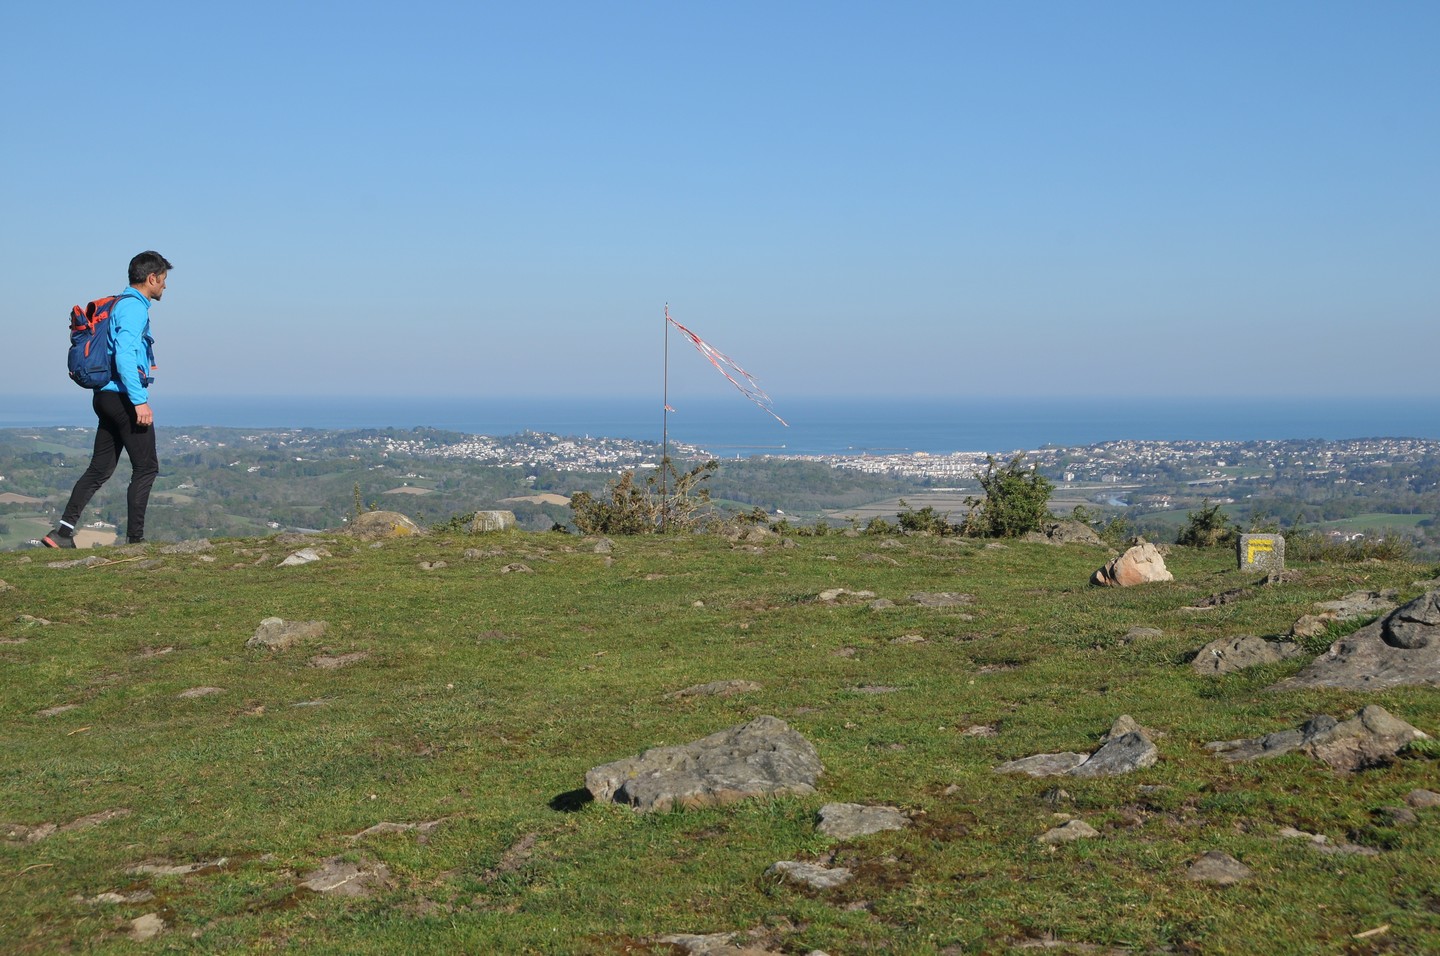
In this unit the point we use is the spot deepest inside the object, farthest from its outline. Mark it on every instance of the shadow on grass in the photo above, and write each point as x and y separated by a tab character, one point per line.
571	801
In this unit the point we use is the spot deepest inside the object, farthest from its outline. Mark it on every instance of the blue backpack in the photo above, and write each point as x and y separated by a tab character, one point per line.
91	362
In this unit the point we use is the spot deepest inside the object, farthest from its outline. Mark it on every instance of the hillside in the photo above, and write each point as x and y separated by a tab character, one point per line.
161	775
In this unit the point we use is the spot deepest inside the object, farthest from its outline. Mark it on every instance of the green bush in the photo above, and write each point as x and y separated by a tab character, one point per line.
669	501
1314	546
925	521
1016	502
1208	528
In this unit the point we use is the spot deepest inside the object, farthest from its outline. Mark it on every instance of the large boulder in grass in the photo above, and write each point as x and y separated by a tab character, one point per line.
1140	565
1371	738
1400	649
1127	747
383	524
483	522
762	758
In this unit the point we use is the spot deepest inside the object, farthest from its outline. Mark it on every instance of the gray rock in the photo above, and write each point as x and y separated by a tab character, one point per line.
177	869
831	595
277	635
1065	532
303	556
1416	625
1141	634
194	692
717	944
881	604
146	927
1069	833
1322	843
1219	868
517	569
326	662
810	875
483	522
942	599
1398	816
1422	799
1236	653
89	562
1369	738
1044	765
719	688
339	878
1127	747
1360	604
845	821
1261	552
604	546
763	757
1398	650
198	546
383	524
1122	754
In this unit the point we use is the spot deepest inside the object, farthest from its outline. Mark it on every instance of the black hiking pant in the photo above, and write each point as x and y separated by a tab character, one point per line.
117	430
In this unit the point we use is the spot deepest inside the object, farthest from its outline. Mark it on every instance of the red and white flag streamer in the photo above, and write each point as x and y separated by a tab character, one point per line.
725	365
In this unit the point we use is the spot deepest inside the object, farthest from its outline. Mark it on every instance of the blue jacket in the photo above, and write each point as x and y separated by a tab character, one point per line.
132	347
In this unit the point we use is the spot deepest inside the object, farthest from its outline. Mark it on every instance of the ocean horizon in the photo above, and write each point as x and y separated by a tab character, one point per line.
732	427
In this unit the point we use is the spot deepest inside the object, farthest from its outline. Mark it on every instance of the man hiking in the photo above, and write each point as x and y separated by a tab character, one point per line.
123	406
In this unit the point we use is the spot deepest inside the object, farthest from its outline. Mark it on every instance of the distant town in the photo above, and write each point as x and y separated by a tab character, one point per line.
256	481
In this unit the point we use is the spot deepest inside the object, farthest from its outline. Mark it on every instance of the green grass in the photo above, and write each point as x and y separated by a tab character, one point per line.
486	696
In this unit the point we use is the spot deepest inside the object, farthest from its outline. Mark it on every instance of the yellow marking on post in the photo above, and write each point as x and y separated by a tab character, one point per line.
1264	544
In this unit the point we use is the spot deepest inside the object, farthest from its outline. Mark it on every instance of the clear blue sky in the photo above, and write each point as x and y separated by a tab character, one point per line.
887	199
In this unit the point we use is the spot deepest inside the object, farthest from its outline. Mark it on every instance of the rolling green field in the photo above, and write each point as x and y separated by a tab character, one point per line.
472	697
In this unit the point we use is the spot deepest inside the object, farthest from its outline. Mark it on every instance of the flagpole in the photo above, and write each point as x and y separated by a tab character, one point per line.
665	418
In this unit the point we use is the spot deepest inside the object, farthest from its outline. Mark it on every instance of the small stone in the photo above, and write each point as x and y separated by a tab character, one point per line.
942	599
1069	833
194	692
146	927
1141	634
980	730
1399	816
1423	799
517	569
604	546
810	874
432	565
1044	765
881	604
831	595
909	639
328	663
277	635
176	869
303	556
845	821
719	688
56	711
340	878
1219	868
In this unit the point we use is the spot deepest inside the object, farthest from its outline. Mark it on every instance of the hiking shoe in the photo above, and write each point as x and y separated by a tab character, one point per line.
57	540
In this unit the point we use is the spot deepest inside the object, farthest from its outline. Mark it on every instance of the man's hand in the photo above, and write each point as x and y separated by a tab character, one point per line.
143	415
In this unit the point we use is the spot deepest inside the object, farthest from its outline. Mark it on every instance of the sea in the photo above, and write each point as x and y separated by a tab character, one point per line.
732	427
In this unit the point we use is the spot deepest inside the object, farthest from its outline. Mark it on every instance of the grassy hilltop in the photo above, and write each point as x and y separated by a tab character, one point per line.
470	699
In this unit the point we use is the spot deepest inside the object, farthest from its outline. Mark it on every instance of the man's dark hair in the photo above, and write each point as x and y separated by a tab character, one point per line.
145	263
